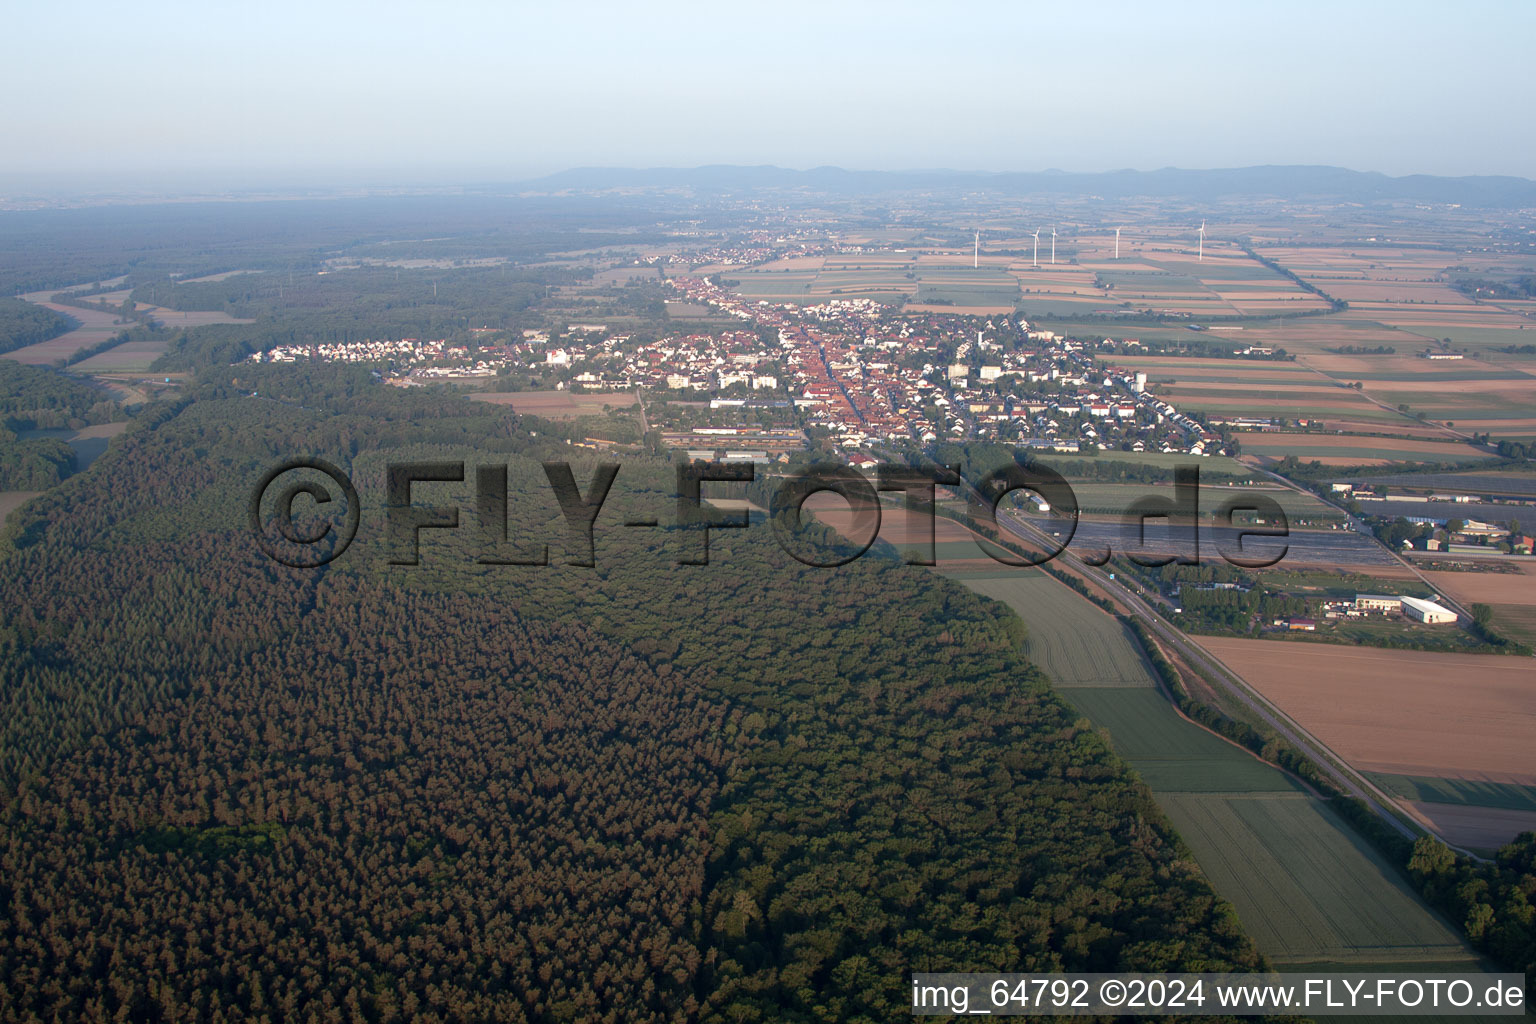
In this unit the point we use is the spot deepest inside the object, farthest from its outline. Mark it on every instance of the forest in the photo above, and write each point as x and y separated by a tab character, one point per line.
23	324
752	790
33	398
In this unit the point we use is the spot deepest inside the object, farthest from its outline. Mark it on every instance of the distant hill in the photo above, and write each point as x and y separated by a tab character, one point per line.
1290	182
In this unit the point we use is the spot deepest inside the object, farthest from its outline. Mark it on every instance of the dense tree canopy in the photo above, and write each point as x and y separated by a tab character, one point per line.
751	790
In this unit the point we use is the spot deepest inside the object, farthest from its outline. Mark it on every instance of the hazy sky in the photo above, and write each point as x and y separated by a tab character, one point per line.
376	92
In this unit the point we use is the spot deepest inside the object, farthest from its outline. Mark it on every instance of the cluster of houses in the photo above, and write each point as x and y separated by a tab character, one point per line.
859	373
868	376
405	351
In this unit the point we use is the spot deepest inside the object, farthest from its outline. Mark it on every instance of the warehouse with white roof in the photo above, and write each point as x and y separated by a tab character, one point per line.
1427	611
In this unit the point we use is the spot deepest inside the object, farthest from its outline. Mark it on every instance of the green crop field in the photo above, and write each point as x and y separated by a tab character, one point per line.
1481	339
1164	460
1113	499
1173	754
1438	375
1304	886
1073	642
1334	583
1265	404
766	283
967	295
1467	792
1516	621
1339	449
1316	891
946	550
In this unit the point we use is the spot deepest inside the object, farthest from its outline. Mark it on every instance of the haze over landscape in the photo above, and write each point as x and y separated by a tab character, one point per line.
709	514
187	96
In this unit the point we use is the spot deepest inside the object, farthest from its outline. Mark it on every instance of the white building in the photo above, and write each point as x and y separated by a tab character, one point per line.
1377	603
1427	611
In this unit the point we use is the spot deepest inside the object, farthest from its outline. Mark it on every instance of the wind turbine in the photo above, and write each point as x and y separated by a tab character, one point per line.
1037	247
1117	243
1200	252
976	259
1053	245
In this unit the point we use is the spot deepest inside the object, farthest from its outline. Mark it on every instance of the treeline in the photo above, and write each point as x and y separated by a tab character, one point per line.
142	333
489	292
1235	612
1201	349
1487	288
1518	451
37	398
347	306
751	790
1363	350
976	459
1335	305
1492	901
33	465
44	249
24	323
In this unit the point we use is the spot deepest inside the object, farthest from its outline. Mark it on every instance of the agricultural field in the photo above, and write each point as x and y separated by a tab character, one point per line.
953	545
619	276
1337	583
94	328
1478	828
888	277
1511	595
1263	850
1464	792
1346	449
1114	499
1173	754
557	405
129	357
1514	482
1180	369
1303	885
1461	716
168	318
1074	642
1407	289
1161	273
1154	273
1161	460
88	442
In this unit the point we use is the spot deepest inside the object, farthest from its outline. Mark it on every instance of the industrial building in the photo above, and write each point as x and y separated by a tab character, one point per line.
1427	611
1377	603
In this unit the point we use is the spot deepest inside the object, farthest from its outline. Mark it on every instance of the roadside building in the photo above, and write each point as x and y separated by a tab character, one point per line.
1377	603
1420	610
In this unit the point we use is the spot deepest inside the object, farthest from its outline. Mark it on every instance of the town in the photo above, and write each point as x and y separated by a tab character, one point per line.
851	370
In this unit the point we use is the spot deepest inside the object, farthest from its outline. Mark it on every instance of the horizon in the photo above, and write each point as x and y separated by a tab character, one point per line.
50	191
352	94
